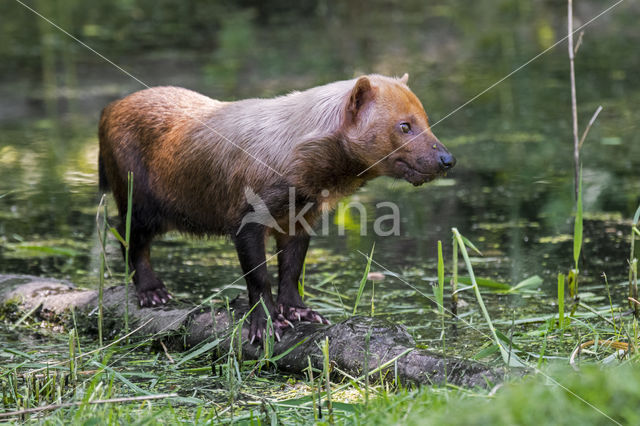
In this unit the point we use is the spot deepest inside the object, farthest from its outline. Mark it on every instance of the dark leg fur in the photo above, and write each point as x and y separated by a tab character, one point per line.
251	253
103	182
292	251
150	290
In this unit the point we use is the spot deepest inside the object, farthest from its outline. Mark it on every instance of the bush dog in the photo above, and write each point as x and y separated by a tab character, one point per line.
195	159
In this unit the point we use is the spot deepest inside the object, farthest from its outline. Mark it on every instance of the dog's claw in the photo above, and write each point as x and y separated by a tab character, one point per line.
278	327
154	297
301	313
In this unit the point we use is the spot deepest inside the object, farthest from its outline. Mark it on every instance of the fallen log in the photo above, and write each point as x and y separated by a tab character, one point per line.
354	344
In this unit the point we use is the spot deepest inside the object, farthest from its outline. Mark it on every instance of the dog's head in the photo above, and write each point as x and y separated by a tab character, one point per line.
387	128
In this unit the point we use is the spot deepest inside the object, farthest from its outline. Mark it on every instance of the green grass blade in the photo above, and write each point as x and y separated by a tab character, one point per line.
119	237
301	281
572	279
485	282
285	353
129	207
326	369
533	281
561	300
440	291
363	281
488	351
127	238
454	278
135	388
201	350
470	245
506	357
577	227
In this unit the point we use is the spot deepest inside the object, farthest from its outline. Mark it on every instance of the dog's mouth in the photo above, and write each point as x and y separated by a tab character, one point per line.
412	175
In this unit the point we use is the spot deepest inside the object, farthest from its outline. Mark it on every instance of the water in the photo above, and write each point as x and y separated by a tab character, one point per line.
511	192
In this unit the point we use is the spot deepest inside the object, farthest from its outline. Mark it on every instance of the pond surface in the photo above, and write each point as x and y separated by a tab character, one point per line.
511	192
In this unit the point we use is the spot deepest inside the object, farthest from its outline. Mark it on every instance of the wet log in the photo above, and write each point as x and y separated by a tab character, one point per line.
386	350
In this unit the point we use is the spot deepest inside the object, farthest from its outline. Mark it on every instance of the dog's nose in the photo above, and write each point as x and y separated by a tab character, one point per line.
447	161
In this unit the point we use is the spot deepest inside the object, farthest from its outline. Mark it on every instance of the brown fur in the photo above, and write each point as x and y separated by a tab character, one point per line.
192	156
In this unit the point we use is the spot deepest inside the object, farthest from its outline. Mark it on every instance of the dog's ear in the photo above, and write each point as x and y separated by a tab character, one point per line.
361	94
404	78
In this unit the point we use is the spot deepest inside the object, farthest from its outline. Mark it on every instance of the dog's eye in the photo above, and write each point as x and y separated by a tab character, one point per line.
405	127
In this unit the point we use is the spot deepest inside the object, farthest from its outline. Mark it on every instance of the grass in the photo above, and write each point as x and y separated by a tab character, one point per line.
607	396
438	292
131	381
102	237
127	246
128	382
633	262
363	282
534	400
561	300
462	244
